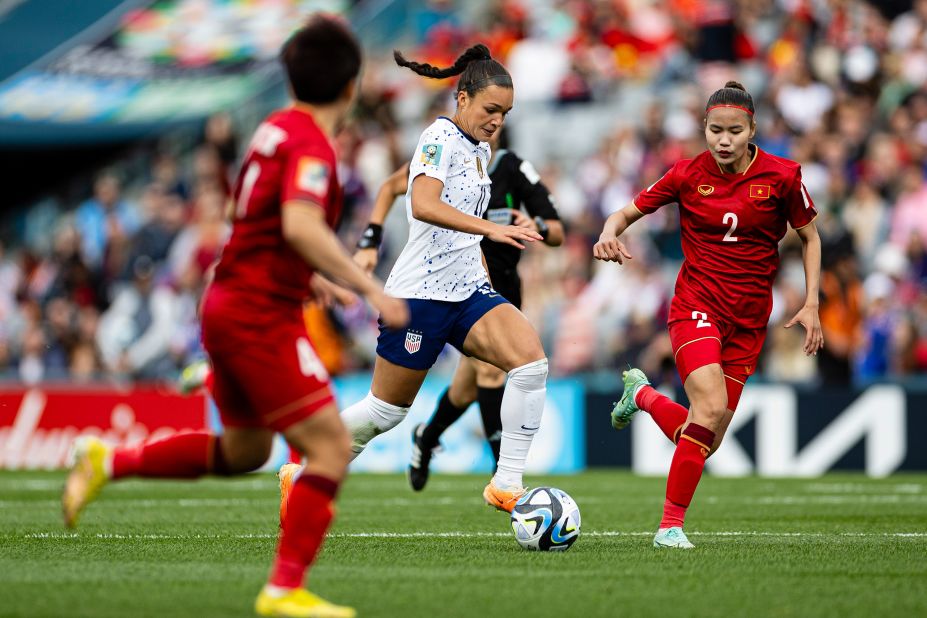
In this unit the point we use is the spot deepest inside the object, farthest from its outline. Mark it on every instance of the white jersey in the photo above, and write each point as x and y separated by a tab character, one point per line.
438	263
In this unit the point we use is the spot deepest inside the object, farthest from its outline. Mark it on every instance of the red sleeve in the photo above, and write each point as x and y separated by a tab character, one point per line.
308	177
662	192
799	208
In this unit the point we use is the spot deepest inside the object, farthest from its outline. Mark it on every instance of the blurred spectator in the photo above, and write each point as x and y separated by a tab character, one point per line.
134	334
103	216
910	216
841	318
165	216
199	243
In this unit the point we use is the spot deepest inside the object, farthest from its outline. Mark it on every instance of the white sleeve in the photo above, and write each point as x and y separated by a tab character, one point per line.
432	156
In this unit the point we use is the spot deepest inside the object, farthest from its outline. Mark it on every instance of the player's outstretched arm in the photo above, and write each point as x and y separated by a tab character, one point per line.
609	248
368	246
305	229
428	207
808	315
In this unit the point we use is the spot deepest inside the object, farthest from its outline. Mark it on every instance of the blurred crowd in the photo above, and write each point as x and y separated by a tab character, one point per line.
107	287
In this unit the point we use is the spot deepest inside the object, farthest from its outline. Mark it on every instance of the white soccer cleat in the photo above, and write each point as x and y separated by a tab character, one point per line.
672	537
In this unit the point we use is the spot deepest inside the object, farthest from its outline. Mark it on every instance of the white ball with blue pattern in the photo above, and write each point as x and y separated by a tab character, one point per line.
546	519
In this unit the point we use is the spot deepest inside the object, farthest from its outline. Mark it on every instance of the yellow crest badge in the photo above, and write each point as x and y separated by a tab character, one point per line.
706	189
759	192
479	166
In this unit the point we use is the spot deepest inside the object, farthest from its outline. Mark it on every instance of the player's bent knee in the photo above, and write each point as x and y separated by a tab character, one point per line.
531	376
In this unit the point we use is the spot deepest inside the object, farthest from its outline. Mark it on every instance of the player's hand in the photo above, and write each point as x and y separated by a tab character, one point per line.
513	235
366	259
808	317
610	250
329	293
520	219
394	312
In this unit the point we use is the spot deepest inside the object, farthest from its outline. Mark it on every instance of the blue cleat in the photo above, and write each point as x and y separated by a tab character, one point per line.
672	537
625	409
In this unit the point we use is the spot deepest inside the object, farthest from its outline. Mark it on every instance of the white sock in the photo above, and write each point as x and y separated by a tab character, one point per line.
276	592
368	418
522	407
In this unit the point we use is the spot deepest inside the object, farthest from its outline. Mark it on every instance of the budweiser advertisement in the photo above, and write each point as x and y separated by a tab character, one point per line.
37	425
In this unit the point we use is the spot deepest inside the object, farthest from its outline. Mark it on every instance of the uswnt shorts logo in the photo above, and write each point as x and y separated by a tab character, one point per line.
431	154
413	342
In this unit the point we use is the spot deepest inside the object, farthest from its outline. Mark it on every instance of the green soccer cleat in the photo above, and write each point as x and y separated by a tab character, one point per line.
672	537
193	377
625	409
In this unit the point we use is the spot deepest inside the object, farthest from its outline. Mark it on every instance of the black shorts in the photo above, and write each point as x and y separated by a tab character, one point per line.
507	283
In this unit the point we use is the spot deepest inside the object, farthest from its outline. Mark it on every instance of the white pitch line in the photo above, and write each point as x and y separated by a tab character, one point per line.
457	534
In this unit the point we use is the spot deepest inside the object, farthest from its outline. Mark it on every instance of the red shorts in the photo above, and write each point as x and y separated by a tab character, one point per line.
265	371
700	340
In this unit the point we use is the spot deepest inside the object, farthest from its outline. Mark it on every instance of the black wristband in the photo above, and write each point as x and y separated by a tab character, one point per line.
371	238
543	228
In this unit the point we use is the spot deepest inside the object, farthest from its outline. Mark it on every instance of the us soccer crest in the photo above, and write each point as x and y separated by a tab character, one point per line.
413	341
479	166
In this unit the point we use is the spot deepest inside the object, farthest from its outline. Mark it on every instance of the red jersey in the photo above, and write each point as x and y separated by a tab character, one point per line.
731	227
289	158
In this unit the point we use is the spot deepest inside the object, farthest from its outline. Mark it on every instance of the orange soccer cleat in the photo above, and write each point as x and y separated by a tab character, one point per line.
502	499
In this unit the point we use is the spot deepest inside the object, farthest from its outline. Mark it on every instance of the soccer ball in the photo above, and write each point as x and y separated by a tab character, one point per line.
546	519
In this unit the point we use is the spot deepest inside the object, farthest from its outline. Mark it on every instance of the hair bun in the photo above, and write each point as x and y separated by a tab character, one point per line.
735	85
480	52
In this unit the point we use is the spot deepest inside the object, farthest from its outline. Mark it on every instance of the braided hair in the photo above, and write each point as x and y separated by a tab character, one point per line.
476	67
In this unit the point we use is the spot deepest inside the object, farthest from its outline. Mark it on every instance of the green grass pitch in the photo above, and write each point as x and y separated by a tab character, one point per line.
841	545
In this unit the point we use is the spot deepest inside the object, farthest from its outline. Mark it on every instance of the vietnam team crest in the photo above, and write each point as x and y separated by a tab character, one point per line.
413	342
706	189
431	154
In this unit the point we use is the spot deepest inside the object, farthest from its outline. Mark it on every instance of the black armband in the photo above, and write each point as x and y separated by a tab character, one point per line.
371	238
543	228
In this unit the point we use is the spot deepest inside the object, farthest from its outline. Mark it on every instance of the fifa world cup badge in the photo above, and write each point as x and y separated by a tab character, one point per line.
431	154
479	166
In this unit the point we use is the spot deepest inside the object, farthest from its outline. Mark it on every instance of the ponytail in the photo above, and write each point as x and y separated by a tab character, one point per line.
475	66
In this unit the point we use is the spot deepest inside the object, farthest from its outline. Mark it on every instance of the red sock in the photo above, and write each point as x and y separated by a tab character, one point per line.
184	456
309	512
693	448
666	413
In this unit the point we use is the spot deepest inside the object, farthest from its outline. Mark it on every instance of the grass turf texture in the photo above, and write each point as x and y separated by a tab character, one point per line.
836	546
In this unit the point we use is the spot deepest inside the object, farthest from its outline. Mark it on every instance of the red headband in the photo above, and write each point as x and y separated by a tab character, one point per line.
740	107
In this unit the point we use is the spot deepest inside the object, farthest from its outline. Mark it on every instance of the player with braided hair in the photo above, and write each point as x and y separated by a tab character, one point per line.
442	273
